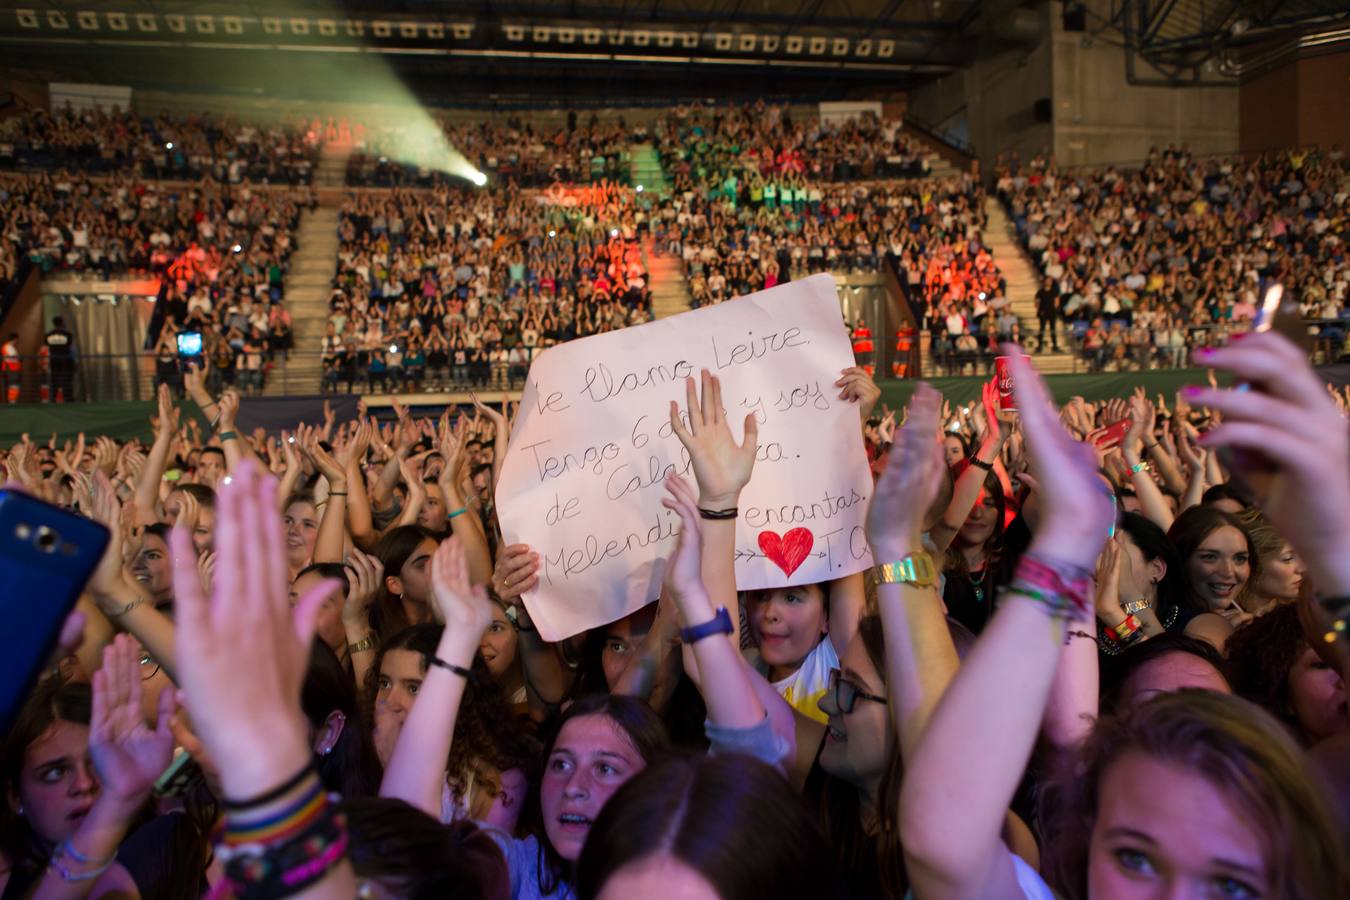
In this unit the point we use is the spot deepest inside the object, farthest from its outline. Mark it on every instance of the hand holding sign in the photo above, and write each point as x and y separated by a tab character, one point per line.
600	429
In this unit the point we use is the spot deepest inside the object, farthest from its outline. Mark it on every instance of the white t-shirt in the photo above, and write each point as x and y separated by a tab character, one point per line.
804	687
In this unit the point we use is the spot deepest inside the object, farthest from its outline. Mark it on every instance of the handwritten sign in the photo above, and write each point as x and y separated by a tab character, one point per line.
583	479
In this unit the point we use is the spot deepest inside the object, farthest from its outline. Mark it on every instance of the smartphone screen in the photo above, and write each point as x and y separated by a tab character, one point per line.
46	556
1112	434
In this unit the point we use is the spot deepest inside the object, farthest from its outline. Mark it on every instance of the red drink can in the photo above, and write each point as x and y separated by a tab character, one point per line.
1003	380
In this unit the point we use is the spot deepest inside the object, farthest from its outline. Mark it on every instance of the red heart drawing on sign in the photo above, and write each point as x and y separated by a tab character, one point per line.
789	551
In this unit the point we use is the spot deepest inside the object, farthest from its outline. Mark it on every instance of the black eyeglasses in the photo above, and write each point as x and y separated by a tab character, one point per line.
149	668
846	693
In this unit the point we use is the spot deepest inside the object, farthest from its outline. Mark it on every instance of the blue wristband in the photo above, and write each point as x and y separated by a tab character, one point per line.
718	624
459	512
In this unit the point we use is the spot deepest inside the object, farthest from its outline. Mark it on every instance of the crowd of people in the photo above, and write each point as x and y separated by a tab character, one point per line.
517	151
1103	654
100	142
460	287
1142	263
759	198
220	250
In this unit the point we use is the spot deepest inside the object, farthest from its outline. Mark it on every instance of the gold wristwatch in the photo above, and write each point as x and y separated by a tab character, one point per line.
917	569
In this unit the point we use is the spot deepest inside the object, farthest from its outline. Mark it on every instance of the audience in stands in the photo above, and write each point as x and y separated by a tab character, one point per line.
1148	263
95	142
519	152
460	286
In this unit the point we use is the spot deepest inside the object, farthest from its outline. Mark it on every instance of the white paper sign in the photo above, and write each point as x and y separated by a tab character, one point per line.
583	478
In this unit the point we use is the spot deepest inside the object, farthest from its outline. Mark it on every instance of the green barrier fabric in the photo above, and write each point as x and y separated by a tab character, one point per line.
1090	387
121	420
128	419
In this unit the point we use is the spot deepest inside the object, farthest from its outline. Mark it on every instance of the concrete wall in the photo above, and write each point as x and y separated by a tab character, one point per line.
1101	118
1002	88
1097	115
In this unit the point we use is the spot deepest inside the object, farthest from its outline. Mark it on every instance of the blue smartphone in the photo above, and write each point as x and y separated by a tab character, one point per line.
46	557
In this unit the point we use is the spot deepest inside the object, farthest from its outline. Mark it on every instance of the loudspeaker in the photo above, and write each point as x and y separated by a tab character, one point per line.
1042	110
1075	16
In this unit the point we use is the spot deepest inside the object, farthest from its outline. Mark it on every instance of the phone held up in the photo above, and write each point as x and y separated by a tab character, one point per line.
1278	313
46	556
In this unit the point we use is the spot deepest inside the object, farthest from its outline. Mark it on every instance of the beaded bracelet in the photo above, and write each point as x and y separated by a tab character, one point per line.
66	849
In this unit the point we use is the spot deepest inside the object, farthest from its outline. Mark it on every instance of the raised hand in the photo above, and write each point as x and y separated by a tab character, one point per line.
1291	446
910	482
127	755
858	387
684	576
229	409
166	425
1076	511
721	466
243	649
367	575
464	606
324	461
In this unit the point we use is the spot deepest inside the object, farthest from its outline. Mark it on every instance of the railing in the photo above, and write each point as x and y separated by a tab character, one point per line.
1170	348
1123	351
941	135
101	378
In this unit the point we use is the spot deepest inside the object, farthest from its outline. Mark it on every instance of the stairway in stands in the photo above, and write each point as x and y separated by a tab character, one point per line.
645	169
309	279
670	292
1001	238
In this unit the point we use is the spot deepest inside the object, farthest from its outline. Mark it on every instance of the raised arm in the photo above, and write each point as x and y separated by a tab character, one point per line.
236	449
920	656
245	652
416	771
956	792
121	601
152	473
1198	469
464	524
331	542
360	519
366	574
128	756
290	476
966	490
1151	498
722	470
724	677
501	435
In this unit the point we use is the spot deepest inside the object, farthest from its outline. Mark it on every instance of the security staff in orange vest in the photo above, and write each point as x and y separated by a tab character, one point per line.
11	369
